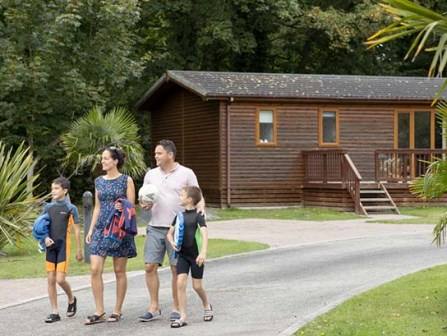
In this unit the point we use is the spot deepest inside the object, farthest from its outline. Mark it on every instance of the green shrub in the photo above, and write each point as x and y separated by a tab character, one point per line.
18	204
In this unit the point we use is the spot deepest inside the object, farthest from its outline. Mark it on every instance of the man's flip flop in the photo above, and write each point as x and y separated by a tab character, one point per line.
115	317
178	324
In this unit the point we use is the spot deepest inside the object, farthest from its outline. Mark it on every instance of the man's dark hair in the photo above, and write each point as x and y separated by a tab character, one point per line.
168	146
116	154
63	182
194	193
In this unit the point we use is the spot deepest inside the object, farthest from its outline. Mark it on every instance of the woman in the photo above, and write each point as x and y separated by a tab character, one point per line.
108	188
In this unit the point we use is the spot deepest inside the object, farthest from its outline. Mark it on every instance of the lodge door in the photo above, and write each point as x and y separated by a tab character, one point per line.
416	131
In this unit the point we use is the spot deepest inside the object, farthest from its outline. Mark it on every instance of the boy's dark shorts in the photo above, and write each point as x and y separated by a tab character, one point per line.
185	263
57	256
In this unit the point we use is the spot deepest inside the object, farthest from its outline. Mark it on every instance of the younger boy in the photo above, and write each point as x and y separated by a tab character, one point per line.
63	215
189	256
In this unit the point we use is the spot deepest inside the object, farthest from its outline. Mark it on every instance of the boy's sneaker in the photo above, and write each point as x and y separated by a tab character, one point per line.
52	318
174	316
150	316
72	307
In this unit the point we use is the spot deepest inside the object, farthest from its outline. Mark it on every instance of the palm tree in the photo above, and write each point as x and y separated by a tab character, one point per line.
411	19
18	205
83	142
431	30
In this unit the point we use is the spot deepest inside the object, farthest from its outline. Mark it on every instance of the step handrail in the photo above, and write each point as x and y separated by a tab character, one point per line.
382	186
352	179
352	166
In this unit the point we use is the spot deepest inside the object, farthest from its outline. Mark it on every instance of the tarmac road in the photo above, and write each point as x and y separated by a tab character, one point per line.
270	292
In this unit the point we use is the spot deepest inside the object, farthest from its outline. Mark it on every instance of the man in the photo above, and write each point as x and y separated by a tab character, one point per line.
170	178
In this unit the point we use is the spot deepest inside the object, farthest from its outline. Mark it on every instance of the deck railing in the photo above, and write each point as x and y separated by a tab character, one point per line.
323	166
326	167
403	165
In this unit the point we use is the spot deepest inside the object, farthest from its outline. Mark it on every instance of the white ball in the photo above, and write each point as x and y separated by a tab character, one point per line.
148	193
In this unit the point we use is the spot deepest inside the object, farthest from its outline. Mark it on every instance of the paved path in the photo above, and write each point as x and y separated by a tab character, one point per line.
281	233
263	293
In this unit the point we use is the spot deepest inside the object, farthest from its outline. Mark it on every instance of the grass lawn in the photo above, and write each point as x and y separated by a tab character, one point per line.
309	214
26	262
425	215
412	305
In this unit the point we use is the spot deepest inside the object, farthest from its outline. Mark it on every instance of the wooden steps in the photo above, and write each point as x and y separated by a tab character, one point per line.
370	191
378	207
374	198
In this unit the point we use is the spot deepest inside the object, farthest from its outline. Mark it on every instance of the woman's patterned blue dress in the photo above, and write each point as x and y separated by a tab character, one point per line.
108	192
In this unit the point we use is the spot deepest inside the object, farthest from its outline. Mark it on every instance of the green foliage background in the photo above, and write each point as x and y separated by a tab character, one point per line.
58	59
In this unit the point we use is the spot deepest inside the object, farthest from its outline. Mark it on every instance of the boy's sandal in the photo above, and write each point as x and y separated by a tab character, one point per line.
208	314
178	323
115	317
71	310
93	319
52	318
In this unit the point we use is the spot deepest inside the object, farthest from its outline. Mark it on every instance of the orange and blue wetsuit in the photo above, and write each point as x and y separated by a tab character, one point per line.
63	215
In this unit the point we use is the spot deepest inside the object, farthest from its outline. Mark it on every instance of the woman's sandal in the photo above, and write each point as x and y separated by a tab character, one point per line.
93	319
115	317
178	323
208	314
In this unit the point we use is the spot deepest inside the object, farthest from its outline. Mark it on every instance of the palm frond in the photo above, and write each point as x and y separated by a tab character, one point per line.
88	135
18	205
434	183
409	19
439	231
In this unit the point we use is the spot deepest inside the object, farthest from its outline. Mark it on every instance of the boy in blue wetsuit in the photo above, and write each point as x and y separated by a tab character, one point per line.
191	256
63	217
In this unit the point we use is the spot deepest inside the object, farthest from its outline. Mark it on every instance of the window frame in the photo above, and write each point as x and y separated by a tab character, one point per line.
411	112
274	127
321	111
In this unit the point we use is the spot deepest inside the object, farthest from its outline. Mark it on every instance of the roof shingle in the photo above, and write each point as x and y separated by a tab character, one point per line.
210	84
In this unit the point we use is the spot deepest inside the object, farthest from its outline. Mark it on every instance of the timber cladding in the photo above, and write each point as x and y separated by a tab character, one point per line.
262	174
274	174
403	197
328	197
194	126
363	129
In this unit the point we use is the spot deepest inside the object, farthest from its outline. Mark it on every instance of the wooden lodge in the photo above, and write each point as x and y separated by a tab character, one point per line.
351	142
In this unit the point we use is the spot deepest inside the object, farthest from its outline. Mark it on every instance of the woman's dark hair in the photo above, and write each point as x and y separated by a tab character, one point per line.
116	154
168	146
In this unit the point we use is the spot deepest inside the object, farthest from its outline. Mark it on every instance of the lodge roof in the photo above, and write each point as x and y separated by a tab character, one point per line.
221	85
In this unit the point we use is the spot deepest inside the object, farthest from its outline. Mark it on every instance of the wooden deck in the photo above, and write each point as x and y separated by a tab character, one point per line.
332	179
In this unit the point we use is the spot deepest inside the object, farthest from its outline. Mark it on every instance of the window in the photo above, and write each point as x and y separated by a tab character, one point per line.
328	128
417	130
266	130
